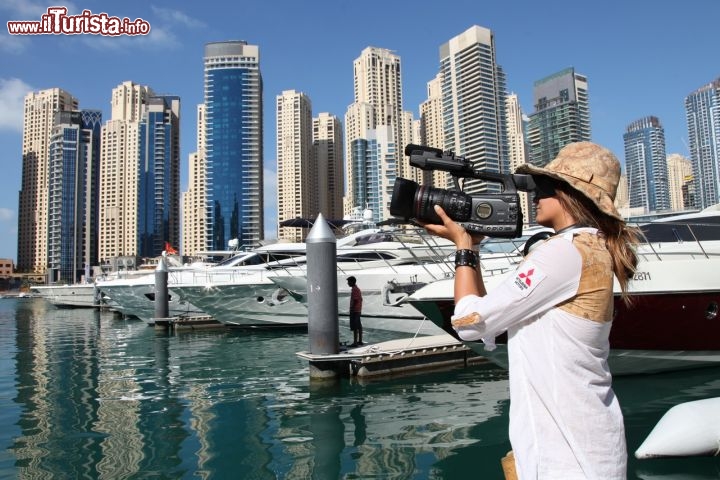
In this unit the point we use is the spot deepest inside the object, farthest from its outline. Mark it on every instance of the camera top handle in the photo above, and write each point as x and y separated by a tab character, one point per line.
429	158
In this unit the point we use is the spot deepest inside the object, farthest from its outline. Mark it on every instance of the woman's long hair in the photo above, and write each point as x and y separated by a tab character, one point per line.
620	238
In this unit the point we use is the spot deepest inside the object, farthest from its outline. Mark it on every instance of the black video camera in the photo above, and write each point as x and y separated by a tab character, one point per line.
492	215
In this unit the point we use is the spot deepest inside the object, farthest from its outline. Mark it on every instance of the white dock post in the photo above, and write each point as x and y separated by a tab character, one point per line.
162	309
323	326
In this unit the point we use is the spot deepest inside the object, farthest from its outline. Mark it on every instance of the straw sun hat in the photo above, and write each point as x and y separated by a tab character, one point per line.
587	167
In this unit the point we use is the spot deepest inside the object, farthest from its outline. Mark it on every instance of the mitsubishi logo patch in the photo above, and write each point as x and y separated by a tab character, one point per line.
527	278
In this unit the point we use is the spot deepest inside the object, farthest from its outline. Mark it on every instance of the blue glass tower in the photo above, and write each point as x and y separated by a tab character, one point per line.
358	163
374	165
159	178
702	110
233	144
73	194
646	165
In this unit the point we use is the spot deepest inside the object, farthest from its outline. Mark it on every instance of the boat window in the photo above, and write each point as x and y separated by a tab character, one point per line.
277	256
254	260
373	238
677	236
679	232
236	260
364	256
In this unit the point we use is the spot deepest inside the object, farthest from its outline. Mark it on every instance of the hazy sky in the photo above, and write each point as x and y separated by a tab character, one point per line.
641	58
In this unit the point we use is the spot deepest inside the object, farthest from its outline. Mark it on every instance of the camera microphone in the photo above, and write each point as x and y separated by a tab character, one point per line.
430	158
412	149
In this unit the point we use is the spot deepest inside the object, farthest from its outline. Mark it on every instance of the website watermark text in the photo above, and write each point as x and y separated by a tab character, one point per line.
57	22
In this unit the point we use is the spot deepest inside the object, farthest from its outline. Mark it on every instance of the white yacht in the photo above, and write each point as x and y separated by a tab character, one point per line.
253	298
86	294
386	287
136	296
77	295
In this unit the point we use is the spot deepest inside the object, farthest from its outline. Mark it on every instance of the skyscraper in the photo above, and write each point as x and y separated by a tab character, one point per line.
330	161
374	165
473	98
194	231
73	195
40	109
622	202
140	173
679	181
517	152
233	137
702	110
646	165
432	133
377	102
159	176
297	174
119	171
562	114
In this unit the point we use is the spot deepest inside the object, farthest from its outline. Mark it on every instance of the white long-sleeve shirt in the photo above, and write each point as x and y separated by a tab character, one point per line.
565	421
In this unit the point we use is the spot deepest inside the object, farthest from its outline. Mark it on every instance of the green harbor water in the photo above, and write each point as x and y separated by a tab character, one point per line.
88	395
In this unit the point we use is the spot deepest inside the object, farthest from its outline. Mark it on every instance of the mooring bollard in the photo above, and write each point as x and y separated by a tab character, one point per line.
323	327
162	309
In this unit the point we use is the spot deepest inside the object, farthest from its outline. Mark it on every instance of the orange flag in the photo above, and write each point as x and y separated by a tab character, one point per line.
169	249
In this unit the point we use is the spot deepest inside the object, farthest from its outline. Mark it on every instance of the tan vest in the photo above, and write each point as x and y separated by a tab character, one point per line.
594	299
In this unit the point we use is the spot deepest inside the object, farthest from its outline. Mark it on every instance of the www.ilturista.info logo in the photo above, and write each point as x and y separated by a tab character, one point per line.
57	22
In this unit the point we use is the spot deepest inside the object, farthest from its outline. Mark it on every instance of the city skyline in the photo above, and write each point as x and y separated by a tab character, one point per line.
623	87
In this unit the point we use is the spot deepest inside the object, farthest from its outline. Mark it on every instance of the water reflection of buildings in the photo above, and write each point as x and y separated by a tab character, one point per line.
117	414
426	425
390	434
32	391
112	399
66	397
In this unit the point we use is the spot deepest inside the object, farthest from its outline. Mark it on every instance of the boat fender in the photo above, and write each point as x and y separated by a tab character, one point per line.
279	296
389	288
687	429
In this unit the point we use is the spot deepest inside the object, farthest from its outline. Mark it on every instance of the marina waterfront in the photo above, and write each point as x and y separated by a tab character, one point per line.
85	394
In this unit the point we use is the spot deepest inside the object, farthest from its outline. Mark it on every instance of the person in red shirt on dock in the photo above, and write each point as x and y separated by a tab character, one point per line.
355	311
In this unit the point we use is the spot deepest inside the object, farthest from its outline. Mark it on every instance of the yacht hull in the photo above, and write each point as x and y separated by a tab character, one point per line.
138	300
69	296
673	322
255	304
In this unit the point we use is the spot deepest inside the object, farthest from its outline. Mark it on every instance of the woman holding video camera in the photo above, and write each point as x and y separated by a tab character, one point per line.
557	308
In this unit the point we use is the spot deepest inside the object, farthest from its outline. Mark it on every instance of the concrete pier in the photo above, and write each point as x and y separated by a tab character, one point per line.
196	322
398	357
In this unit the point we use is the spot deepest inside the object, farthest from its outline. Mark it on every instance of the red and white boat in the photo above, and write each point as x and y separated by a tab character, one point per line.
673	323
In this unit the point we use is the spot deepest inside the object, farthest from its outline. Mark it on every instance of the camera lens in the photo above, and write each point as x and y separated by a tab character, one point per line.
403	199
411	200
456	204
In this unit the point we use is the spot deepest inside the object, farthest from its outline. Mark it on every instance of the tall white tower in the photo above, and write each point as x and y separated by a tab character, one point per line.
329	158
517	153
473	96
40	109
194	203
297	175
378	102
119	172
